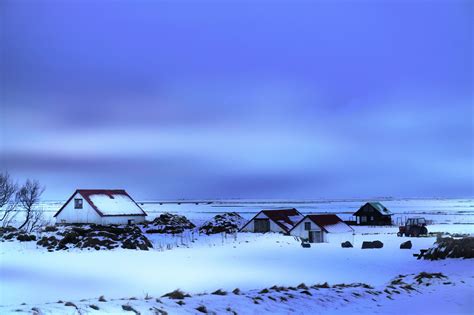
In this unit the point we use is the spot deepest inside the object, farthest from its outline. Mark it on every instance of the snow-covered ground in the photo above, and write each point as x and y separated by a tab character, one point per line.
32	275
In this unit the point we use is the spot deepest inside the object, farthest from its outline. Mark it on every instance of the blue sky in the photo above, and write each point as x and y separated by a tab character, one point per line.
264	99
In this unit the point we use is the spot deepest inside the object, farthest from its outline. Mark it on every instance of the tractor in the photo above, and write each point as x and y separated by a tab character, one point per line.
413	227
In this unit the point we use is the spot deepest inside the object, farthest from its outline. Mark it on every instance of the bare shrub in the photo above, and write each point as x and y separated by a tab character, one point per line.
219	292
176	295
129	308
8	201
28	197
202	309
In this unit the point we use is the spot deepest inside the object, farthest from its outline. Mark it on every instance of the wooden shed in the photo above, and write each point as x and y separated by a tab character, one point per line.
279	220
373	213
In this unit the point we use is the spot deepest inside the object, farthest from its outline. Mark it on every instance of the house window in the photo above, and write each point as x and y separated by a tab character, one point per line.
363	219
78	203
371	218
307	226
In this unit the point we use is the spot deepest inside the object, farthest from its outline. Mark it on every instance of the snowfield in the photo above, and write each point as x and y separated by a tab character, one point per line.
133	280
32	275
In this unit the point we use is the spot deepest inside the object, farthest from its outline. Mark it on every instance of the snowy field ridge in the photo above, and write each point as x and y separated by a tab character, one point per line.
415	290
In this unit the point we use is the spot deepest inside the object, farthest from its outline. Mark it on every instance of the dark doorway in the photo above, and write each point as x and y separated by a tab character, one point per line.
262	225
315	237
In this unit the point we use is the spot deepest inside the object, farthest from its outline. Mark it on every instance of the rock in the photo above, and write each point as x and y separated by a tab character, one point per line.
377	244
406	245
373	244
23	237
346	244
229	222
7	229
451	248
168	223
9	236
50	228
96	237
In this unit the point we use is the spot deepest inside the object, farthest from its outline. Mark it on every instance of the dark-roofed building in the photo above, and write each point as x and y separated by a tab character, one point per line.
323	228
280	220
100	206
373	213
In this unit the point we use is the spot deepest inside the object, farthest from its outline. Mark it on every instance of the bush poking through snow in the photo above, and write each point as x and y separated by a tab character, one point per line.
147	297
158	311
94	307
129	308
325	285
102	299
219	292
426	275
202	309
302	286
228	222
236	291
176	295
70	304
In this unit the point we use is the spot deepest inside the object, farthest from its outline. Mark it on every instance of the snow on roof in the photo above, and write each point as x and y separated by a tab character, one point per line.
285	218
340	227
331	223
380	207
115	204
108	202
375	205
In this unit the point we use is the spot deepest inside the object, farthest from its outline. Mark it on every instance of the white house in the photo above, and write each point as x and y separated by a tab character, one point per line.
323	228
281	220
100	206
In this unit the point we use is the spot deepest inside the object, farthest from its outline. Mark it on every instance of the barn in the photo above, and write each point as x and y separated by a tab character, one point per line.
100	206
323	228
373	213
281	220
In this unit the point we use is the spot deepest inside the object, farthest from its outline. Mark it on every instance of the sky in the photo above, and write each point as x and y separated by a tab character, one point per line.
239	99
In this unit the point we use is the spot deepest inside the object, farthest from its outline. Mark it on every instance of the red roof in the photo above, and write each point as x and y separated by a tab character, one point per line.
87	193
284	218
325	220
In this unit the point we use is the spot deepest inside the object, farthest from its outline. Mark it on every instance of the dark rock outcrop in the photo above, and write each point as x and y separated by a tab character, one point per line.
449	247
406	245
96	237
168	223
373	244
228	222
